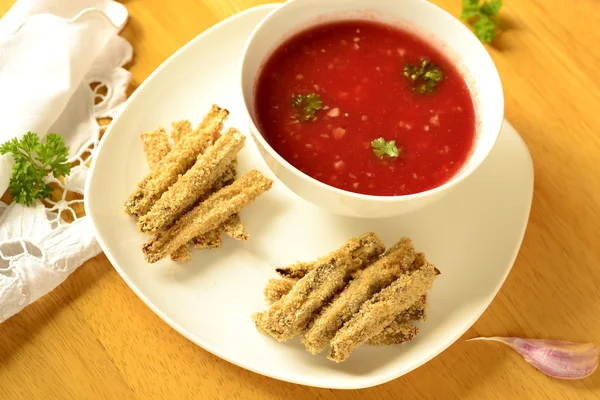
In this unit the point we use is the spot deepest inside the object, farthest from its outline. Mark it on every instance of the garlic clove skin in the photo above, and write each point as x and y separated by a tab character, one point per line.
556	358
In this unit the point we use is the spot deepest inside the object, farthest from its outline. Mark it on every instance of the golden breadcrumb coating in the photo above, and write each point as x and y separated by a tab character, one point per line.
180	129
194	184
156	145
374	278
394	333
378	312
175	163
208	215
291	315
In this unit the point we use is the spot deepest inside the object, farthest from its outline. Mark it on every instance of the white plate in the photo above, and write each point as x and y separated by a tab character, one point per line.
473	235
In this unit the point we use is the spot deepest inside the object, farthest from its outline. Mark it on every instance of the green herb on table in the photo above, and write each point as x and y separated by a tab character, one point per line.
382	148
485	18
33	158
424	77
307	106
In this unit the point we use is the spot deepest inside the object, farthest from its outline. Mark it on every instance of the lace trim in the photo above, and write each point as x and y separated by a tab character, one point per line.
41	245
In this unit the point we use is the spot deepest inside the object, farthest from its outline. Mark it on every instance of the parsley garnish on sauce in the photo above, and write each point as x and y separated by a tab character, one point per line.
382	148
32	161
424	77
485	17
307	106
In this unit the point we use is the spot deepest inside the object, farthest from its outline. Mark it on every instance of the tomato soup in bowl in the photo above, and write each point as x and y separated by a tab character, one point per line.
367	112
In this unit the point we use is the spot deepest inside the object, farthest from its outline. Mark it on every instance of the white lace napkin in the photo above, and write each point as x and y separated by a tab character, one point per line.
52	52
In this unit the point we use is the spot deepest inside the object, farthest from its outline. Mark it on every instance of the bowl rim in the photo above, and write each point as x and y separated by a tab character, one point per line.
456	179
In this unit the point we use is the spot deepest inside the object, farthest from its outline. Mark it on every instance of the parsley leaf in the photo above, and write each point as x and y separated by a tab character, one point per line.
424	77
485	17
382	148
491	8
32	160
307	106
484	29
470	9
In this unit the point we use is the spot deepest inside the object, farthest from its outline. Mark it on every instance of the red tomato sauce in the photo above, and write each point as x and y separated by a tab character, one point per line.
356	68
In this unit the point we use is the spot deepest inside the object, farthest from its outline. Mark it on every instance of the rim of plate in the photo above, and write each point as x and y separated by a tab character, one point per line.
364	383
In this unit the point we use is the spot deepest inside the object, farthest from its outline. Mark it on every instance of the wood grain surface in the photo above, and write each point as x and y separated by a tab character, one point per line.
92	338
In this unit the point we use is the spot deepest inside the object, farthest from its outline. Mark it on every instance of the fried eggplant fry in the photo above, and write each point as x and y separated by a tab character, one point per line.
183	253
396	260
194	184
181	157
180	129
394	333
227	178
156	145
379	312
299	269
209	240
291	315
208	215
234	228
212	239
416	312
276	288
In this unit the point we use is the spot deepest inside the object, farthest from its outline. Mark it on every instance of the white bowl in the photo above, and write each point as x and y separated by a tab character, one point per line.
422	18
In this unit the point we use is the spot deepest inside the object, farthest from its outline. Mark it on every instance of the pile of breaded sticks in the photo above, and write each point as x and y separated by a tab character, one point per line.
357	294
191	194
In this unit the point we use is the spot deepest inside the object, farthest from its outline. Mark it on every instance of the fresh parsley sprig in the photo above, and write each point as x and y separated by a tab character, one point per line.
307	106
424	77
382	148
485	17
33	158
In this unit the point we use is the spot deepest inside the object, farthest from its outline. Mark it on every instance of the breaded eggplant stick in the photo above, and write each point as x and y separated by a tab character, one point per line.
183	253
180	129
177	161
291	315
227	178
292	277
299	269
373	279
210	240
276	288
156	145
234	228
196	183
394	333
208	215
399	331
379	312
416	312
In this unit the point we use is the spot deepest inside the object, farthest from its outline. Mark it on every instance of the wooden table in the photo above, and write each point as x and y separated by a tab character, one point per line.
92	338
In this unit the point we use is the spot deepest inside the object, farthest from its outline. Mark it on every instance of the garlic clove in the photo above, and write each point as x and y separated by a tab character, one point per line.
556	358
